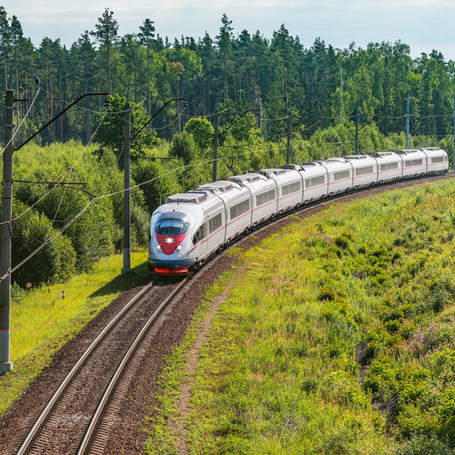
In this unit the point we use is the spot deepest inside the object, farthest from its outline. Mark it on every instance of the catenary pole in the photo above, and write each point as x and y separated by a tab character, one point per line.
127	194
357	120
6	234
215	152
407	121
288	145
215	143
7	224
341	96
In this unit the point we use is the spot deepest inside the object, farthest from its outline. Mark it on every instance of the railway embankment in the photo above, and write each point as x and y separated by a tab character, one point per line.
331	333
45	318
336	336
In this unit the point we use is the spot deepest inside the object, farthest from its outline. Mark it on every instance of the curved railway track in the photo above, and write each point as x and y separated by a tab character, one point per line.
86	414
76	418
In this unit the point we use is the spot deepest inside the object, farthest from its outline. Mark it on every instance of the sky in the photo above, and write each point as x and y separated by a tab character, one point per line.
422	24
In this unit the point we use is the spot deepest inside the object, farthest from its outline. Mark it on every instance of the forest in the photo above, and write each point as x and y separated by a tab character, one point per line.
276	79
262	96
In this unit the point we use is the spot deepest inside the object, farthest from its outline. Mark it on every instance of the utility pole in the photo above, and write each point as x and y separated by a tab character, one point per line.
357	121
127	193
215	143
87	118
215	152
341	96
6	234
7	224
407	121
288	148
127	179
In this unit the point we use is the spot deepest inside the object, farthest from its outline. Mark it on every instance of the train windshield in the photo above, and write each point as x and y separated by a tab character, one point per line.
171	226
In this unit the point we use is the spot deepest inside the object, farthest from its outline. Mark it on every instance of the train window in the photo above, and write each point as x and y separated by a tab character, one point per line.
437	159
315	181
292	188
201	233
341	175
265	197
364	170
413	163
171	226
389	166
214	223
239	209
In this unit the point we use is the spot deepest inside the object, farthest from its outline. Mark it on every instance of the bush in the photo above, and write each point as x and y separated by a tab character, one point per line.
183	146
55	262
202	131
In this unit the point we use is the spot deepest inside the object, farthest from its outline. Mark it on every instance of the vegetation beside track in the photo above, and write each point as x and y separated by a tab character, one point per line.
338	339
42	321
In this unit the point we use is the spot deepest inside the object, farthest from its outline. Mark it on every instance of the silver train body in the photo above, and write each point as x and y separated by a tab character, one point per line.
191	226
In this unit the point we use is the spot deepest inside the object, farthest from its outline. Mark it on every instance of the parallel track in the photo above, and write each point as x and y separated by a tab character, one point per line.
60	429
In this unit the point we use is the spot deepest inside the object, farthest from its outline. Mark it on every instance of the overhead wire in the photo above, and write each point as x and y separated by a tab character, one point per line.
178	168
210	115
22	122
60	181
49	239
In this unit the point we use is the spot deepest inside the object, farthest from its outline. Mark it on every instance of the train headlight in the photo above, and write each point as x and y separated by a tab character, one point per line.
178	248
158	247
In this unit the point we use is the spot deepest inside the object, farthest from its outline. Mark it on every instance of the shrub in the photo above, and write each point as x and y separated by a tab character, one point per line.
55	262
202	131
183	146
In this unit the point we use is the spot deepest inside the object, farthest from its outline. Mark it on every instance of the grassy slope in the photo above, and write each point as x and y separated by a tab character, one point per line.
41	321
338	339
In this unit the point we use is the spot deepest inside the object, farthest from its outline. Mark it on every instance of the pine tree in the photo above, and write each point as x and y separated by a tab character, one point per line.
106	34
5	41
147	37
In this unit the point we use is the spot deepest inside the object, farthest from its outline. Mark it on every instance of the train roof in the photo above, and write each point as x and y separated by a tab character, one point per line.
294	167
408	151
382	154
187	198
312	163
220	186
272	172
249	177
357	157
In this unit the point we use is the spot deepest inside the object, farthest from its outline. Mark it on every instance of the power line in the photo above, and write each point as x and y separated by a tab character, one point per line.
22	122
61	180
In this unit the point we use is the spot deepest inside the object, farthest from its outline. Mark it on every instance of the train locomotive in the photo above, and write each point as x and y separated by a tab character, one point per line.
190	227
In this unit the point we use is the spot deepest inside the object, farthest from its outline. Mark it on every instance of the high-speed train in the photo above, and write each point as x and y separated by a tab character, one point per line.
190	227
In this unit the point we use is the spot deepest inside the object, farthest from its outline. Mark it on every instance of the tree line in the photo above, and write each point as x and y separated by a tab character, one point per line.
277	79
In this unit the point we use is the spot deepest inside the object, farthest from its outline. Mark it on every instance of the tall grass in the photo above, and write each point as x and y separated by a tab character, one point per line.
338	339
42	320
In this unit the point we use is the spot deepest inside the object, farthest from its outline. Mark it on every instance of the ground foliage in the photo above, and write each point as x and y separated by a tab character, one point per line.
339	338
60	203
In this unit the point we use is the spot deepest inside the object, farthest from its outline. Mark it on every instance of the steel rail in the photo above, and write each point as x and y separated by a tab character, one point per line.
110	390
65	383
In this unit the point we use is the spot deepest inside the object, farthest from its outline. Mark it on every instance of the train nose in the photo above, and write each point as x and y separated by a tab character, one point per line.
170	244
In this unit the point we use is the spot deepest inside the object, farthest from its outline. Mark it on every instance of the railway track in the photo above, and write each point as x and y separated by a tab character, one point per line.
77	418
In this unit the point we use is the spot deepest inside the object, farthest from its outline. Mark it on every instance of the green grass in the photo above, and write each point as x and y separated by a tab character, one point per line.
42	321
338	338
